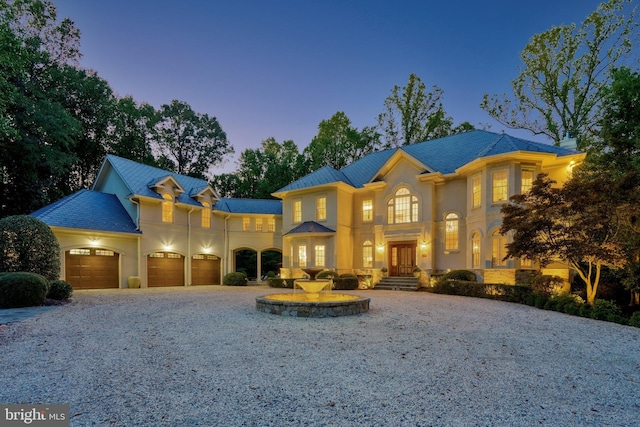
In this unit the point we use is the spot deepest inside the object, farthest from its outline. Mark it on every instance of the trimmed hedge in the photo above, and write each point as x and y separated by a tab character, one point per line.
346	282
59	290
277	282
235	279
22	289
511	293
327	274
463	275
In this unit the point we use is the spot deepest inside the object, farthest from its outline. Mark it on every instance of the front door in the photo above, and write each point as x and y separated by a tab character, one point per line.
403	259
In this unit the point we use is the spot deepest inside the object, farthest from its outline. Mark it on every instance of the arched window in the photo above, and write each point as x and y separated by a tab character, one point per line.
498	249
402	208
451	231
367	254
206	215
475	250
167	208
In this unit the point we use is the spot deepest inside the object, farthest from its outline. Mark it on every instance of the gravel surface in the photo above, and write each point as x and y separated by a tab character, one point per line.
205	356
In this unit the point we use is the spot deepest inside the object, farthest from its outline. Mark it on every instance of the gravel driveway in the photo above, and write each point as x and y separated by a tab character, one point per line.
205	356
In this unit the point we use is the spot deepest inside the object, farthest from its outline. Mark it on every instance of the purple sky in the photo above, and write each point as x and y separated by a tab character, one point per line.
277	68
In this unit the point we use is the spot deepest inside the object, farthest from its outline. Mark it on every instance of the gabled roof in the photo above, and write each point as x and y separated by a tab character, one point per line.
310	227
443	155
90	210
249	206
140	179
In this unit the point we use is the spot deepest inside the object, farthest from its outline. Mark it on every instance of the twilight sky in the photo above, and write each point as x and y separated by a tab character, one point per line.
277	68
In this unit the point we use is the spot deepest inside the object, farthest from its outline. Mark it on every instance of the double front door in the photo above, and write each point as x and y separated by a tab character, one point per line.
402	258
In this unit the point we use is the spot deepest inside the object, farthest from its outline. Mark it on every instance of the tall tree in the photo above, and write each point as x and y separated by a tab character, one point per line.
558	92
413	115
575	224
130	131
194	142
338	143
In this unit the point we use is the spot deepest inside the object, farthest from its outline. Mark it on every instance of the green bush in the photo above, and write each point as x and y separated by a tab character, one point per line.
566	303
327	274
235	279
461	275
635	319
28	245
346	282
584	310
607	310
271	274
545	284
276	282
59	290
22	289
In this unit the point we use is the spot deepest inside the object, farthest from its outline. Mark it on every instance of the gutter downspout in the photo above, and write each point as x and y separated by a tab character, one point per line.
189	246
226	247
139	255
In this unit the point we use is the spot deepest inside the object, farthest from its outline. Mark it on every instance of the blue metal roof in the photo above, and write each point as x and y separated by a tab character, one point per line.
249	206
139	178
443	155
89	210
310	227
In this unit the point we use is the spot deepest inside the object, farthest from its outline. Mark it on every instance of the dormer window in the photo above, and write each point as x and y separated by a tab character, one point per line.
206	215
167	208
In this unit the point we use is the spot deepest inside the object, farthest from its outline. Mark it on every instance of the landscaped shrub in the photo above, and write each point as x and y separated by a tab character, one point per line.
276	282
635	319
22	290
346	282
568	304
607	310
271	274
327	274
235	279
462	275
59	290
546	285
28	245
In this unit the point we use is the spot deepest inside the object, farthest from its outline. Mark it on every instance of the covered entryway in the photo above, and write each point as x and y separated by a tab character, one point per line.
91	268
403	259
205	270
165	269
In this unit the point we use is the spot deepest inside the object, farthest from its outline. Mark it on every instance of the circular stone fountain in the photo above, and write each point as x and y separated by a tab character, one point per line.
316	300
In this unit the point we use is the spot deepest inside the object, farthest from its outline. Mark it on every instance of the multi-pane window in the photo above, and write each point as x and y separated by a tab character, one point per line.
526	263
321	208
476	191
258	224
246	224
451	231
167	208
500	186
475	250
271	225
527	181
297	211
367	254
302	255
402	208
206	215
319	254
498	249
367	210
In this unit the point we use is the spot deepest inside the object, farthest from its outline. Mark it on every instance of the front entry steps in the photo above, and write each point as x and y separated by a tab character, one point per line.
398	284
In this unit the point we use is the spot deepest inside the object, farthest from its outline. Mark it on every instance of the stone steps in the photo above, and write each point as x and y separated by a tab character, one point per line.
398	284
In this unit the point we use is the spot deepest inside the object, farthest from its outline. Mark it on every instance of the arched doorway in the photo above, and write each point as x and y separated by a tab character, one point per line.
271	260
246	261
92	268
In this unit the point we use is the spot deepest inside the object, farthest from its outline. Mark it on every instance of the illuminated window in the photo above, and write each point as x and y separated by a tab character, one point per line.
258	224
321	208
476	191
526	263
527	181
498	249
500	186
103	252
206	215
246	224
451	232
367	210
80	251
302	256
271	225
475	250
319	253
367	254
167	208
402	208
297	211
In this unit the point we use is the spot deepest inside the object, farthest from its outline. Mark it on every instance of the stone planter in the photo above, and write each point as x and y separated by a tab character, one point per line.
133	282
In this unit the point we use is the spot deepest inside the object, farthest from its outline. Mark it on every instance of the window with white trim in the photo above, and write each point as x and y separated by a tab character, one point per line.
475	250
476	191
167	208
206	215
321	208
526	182
451	223
402	208
302	255
297	210
271	225
367	254
498	249
367	210
246	224
500	186
319	255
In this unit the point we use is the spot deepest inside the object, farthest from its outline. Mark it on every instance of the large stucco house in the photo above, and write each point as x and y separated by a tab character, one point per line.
433	205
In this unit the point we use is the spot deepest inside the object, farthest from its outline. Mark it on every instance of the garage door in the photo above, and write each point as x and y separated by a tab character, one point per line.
205	270
91	268
165	269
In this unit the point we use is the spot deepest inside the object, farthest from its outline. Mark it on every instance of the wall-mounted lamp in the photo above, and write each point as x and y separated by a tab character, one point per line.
380	248
167	248
93	241
424	246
